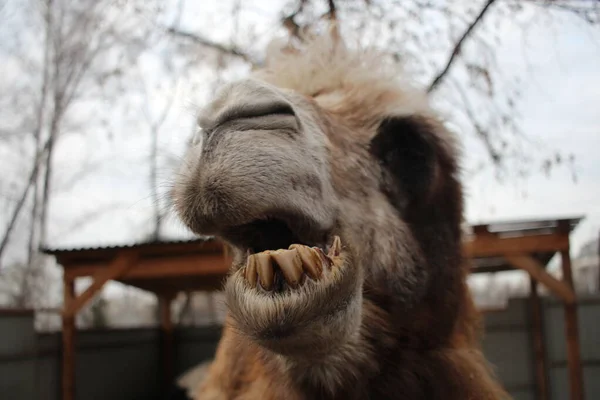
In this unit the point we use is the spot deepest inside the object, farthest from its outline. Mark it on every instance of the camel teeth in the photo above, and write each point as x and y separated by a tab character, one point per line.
290	263
251	271
336	247
325	260
311	262
264	266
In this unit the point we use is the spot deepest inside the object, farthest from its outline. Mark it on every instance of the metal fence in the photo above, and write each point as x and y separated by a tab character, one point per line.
125	364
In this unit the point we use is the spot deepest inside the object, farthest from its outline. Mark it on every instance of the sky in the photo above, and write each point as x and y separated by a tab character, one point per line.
561	93
560	108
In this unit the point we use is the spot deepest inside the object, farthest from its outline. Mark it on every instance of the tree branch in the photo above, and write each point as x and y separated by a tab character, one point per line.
480	131
332	15
290	23
232	51
23	197
458	47
589	11
332	10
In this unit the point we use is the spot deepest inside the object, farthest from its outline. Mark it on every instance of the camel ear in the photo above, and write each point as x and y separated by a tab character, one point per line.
408	149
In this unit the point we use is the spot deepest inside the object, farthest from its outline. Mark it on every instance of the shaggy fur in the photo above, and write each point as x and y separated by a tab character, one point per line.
328	142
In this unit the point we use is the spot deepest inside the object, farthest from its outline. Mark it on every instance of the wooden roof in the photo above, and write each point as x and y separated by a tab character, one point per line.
159	266
541	239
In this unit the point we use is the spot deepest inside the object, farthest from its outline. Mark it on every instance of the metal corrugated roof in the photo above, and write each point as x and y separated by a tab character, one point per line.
154	243
508	227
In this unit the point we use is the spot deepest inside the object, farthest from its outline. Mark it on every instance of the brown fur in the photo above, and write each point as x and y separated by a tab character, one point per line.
329	141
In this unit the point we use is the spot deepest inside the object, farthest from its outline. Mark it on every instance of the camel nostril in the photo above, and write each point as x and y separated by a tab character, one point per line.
255	110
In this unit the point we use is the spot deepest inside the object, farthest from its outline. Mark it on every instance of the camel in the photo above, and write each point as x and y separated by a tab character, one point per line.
337	187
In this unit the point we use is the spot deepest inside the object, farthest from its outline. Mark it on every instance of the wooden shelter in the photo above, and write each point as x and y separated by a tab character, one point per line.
163	268
529	246
166	268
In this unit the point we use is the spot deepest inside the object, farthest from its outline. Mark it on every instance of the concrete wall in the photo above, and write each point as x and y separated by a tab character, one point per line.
125	364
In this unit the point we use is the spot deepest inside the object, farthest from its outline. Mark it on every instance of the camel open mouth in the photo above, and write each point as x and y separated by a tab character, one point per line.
280	249
278	232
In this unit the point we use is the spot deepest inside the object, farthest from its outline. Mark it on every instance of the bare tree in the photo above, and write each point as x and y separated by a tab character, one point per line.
438	42
83	48
155	121
64	58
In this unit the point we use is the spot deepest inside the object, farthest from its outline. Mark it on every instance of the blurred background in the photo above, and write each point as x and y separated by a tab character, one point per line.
99	97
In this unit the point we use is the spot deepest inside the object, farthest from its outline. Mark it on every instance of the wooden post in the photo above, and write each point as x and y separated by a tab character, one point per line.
166	338
68	343
572	335
124	261
536	270
539	348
